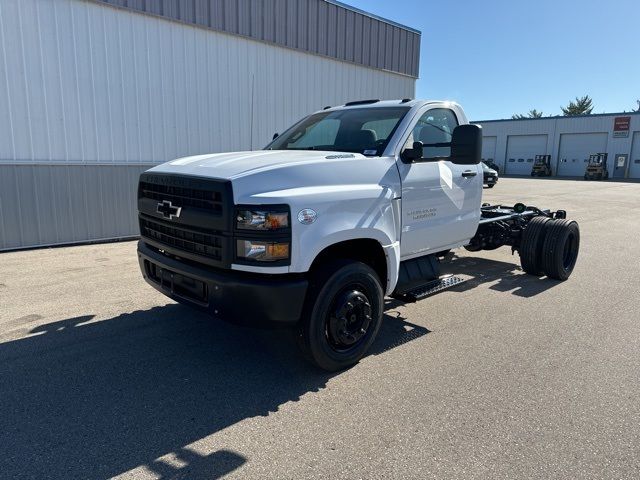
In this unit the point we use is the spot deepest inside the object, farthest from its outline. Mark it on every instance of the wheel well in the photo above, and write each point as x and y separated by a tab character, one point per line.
364	250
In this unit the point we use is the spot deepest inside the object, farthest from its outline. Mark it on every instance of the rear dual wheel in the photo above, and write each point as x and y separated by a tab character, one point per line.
550	247
531	245
560	248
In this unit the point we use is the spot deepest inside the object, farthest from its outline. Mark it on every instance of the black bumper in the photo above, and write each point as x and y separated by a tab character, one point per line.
486	181
239	297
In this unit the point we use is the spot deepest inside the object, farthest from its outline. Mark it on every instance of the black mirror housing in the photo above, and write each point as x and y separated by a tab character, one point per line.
411	154
275	135
466	145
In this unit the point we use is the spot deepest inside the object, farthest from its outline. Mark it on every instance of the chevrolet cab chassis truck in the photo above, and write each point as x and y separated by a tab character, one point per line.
349	205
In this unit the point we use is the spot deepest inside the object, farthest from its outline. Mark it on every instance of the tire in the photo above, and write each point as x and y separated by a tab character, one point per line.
491	185
531	245
344	299
560	249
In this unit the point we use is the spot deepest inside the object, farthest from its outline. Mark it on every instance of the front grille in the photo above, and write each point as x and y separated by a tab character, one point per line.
183	196
192	241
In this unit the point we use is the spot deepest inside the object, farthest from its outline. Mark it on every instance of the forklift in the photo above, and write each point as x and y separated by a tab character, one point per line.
541	166
597	167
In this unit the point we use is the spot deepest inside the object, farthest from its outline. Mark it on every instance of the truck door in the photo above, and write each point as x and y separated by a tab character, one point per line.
440	200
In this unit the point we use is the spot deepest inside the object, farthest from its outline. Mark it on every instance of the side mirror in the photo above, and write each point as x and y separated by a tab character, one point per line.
411	154
275	135
466	145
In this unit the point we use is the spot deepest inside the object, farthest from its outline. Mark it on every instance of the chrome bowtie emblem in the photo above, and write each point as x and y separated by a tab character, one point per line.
168	210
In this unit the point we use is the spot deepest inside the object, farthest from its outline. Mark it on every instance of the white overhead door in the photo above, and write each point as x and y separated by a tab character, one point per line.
575	149
634	162
521	150
488	148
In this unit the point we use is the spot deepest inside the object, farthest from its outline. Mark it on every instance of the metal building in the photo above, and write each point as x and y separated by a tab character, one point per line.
513	144
93	92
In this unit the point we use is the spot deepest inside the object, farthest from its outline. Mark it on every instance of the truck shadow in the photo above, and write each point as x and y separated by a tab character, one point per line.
93	399
508	277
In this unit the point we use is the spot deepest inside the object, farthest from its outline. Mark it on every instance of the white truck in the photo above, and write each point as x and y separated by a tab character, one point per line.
349	205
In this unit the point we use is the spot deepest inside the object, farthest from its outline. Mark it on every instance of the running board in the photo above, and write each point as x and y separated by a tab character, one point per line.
430	288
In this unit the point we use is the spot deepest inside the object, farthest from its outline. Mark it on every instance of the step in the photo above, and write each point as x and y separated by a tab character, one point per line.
430	288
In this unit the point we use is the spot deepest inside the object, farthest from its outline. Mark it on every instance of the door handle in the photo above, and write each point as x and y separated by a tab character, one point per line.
469	173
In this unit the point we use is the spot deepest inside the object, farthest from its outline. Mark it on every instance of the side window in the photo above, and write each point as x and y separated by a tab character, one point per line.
435	126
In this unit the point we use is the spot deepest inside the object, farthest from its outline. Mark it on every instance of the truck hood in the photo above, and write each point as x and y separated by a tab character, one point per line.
235	165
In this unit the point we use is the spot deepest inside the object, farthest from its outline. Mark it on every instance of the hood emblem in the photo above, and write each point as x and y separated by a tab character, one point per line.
168	210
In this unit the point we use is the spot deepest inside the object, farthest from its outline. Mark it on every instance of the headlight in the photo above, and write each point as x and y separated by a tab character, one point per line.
261	219
262	251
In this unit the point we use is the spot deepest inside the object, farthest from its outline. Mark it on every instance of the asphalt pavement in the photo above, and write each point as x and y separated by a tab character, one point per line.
504	376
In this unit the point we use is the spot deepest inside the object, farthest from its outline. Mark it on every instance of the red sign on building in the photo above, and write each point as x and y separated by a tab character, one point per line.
621	126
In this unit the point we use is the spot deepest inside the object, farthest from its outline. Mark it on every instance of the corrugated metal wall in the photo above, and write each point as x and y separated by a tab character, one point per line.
87	85
316	26
554	128
43	204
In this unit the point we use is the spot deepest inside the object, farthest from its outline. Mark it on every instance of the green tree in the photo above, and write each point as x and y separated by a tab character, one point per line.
532	114
581	106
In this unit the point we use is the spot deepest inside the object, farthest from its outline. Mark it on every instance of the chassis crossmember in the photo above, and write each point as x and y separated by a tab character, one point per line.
502	225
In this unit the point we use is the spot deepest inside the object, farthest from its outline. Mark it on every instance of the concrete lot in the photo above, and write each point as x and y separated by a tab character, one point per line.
507	376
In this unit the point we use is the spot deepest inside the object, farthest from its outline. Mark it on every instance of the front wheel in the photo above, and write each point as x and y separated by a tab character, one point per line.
343	314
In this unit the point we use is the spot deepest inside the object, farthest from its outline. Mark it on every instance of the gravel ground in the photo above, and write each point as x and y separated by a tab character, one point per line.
505	376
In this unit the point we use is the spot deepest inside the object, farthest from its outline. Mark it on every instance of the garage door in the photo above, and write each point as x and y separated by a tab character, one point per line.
634	164
488	148
575	149
521	150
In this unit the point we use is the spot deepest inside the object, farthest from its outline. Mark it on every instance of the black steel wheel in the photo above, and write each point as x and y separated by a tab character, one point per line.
349	318
343	314
560	249
531	245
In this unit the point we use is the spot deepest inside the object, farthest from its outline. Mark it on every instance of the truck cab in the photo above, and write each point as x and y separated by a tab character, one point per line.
350	204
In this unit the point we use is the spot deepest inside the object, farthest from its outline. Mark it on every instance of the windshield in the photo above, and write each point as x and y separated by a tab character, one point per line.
486	167
357	130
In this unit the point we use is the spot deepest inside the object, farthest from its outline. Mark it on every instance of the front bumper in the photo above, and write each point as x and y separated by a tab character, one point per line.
240	297
492	180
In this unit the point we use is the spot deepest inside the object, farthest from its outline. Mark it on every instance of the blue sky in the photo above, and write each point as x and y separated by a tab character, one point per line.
499	57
